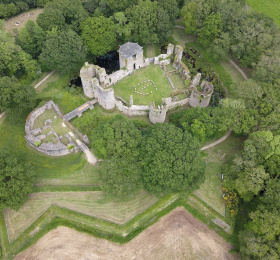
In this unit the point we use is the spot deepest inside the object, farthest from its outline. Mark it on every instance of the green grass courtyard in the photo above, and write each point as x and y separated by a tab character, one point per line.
153	93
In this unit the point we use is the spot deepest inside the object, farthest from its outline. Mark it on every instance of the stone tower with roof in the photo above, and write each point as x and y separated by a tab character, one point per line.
131	56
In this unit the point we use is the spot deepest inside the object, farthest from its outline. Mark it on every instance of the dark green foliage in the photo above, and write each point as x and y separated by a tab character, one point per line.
13	60
99	34
198	121
151	23
171	160
31	39
120	177
16	181
116	137
230	26
64	51
17	99
63	14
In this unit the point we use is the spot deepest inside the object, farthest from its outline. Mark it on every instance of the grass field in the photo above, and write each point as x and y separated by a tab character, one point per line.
151	50
211	191
181	37
10	24
270	7
55	88
90	203
125	87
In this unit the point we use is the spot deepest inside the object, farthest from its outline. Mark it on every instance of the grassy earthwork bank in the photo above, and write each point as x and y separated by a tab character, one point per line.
270	7
55	216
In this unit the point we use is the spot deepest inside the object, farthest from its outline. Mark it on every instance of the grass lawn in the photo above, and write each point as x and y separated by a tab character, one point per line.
91	203
64	170
211	191
151	50
181	37
55	89
10	24
125	87
270	7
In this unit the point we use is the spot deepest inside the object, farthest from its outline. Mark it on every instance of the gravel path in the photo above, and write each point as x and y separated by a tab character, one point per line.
44	79
217	142
239	69
2	114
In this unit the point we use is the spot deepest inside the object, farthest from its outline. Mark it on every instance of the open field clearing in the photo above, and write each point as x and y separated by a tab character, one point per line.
211	191
177	235
160	89
181	37
270	7
22	18
90	203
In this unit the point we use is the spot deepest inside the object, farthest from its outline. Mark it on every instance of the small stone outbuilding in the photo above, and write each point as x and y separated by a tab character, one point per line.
131	56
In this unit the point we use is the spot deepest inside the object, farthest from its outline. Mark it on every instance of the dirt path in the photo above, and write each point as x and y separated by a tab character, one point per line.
44	79
181	27
89	155
2	114
178	235
239	69
217	142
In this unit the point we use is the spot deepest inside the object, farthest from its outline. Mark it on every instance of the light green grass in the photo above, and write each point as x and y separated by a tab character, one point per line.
181	37
56	170
125	87
57	92
39	122
151	50
91	203
211	191
54	77
270	7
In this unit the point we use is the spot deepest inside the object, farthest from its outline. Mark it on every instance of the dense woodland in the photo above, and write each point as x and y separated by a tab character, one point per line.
166	157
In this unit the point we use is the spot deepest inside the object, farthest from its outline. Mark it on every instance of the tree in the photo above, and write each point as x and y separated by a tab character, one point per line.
99	34
151	23
120	177
250	182
171	7
122	26
120	5
117	137
16	98
171	160
31	38
268	68
63	14
211	29
16	181
64	51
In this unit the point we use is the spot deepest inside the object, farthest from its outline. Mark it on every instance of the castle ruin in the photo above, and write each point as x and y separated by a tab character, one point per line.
97	84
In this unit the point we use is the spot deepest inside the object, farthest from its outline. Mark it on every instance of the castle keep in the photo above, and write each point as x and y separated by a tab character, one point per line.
97	84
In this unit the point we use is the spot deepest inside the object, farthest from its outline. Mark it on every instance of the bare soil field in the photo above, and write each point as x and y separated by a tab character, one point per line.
178	235
22	18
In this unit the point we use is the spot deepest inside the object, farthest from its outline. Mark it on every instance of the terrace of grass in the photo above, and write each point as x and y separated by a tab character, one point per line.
91	203
125	87
211	191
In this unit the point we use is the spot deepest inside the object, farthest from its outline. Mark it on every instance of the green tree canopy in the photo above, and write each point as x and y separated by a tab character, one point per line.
99	34
120	177
171	160
31	38
64	51
16	181
116	137
63	14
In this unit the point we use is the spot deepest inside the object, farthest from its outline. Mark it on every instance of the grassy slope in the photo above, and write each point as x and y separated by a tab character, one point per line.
125	87
211	191
270	7
91	203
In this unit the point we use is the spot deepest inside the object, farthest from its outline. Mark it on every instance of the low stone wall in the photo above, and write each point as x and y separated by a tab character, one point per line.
134	110
52	149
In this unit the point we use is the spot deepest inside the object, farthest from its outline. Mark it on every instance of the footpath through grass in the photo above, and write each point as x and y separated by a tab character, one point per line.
270	7
211	191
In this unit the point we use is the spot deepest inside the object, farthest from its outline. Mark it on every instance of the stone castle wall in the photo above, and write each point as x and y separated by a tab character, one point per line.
96	83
